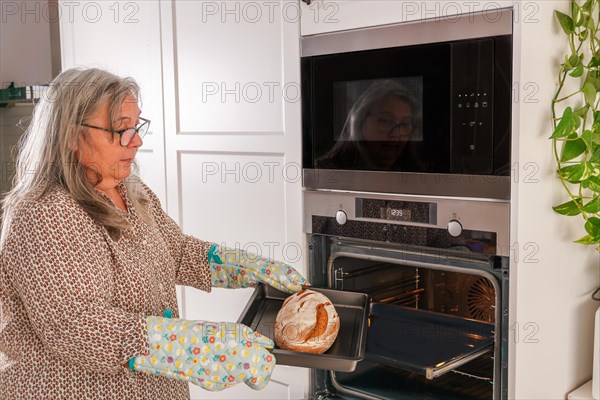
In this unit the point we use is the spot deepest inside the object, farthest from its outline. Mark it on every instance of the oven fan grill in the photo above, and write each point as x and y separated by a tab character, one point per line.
479	301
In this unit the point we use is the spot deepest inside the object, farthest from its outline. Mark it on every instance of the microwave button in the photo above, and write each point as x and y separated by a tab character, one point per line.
484	104
468	105
454	228
341	217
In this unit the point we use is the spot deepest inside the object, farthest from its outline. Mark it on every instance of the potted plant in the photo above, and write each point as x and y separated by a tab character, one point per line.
576	132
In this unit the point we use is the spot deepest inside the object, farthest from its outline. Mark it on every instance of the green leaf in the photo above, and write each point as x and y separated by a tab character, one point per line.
581	172
568	123
572	149
576	13
569	208
588	239
595	159
590	24
586	136
565	172
592	226
577	72
584	33
593	79
596	133
592	183
594	62
593	206
589	91
566	22
574	60
581	112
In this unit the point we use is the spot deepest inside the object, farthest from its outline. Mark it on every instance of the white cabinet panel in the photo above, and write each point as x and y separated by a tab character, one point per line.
333	15
151	172
234	199
122	37
228	60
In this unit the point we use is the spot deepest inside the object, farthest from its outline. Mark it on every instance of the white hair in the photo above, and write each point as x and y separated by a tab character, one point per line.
46	151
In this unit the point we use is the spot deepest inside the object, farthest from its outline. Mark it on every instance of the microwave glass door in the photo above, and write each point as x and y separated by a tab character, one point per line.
426	109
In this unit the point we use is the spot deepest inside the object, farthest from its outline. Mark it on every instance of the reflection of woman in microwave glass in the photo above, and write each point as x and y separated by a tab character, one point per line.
377	129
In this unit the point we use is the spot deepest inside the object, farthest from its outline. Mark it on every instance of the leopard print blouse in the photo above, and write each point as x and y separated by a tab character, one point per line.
73	300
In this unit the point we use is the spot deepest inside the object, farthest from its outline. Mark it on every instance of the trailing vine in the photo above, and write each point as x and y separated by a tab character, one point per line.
576	133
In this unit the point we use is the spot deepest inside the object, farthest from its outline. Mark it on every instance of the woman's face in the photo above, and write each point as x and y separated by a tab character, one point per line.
386	130
103	152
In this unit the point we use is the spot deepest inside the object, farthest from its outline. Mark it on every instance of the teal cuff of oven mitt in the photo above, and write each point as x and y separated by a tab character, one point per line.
235	268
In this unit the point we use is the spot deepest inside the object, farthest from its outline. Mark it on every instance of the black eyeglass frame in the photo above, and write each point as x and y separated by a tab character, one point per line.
400	125
120	132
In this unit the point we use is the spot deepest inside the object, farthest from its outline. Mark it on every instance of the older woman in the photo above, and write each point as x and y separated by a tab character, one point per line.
89	263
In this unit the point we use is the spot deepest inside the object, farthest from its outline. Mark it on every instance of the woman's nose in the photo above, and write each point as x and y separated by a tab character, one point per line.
136	141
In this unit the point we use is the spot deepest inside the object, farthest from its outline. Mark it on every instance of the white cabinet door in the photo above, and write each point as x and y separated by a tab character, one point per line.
335	15
220	82
232	129
122	37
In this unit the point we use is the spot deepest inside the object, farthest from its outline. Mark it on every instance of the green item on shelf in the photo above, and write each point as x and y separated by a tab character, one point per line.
12	93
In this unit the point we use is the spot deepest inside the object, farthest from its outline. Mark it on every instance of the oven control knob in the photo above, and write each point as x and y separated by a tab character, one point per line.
454	228
341	217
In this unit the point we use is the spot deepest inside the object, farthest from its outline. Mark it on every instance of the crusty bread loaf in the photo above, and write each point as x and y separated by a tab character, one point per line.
307	322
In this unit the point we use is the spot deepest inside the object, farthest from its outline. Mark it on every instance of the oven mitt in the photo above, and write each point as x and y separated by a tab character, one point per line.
213	355
234	268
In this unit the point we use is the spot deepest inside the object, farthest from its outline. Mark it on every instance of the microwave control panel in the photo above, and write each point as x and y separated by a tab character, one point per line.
473	105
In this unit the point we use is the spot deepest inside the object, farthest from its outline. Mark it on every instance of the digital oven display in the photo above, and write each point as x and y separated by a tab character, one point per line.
393	210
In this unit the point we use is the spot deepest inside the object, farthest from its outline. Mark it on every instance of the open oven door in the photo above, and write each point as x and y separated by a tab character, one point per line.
437	325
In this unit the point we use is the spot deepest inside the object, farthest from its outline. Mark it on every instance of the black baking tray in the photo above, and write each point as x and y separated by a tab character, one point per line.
425	342
349	346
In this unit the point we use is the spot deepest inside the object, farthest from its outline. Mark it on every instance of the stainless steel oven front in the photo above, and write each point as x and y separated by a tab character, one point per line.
436	269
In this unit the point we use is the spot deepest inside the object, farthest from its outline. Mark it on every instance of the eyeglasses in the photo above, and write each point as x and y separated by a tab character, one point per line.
126	135
388	125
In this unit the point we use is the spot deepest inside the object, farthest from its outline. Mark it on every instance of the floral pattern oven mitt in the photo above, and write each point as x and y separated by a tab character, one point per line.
213	355
234	268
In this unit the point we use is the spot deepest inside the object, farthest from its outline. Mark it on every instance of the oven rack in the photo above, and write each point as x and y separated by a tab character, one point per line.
425	342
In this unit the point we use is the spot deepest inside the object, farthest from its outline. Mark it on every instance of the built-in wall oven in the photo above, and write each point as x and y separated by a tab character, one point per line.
406	163
436	270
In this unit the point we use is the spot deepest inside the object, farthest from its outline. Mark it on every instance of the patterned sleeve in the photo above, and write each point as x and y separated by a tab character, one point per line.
60	266
190	253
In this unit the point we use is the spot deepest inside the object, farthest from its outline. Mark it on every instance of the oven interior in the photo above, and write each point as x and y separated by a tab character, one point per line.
434	326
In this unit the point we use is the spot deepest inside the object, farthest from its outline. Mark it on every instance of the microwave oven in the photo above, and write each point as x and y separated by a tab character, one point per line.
414	108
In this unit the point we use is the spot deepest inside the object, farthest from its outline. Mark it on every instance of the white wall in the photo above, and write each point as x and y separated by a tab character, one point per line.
552	292
25	56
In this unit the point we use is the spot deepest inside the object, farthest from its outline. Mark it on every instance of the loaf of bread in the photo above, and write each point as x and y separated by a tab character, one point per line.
307	322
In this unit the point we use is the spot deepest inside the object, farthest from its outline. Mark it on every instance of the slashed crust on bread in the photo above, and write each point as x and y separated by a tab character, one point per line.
307	322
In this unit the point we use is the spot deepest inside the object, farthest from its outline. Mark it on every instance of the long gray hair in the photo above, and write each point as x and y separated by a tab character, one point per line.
46	155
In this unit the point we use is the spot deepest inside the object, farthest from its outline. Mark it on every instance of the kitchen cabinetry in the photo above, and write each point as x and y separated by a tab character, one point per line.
322	16
220	82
